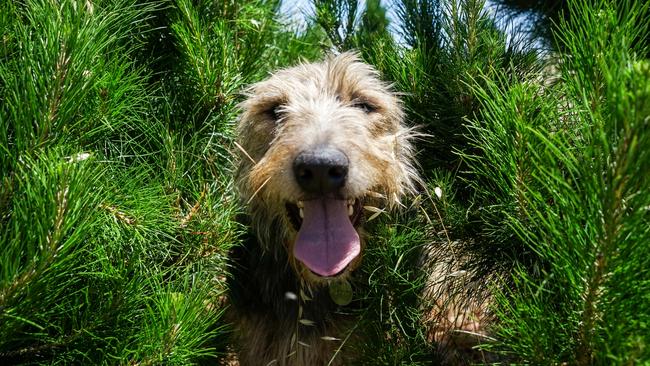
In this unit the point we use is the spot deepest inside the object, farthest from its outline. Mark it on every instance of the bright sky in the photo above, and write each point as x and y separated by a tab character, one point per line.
298	10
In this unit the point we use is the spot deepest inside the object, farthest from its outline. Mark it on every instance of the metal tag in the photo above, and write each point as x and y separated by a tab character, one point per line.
341	292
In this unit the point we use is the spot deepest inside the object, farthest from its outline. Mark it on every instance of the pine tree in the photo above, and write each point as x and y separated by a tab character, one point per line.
573	194
541	15
117	209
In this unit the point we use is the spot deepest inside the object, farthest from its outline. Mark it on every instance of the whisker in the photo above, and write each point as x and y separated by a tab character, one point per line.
375	194
244	151
397	200
258	190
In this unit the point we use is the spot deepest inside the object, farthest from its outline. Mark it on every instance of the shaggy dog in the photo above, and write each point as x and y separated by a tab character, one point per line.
322	146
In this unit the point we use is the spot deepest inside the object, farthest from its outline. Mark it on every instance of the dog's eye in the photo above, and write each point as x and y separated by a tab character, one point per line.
365	106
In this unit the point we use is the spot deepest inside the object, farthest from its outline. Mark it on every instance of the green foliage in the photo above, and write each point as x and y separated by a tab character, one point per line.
450	43
392	295
338	18
566	167
374	22
116	195
540	16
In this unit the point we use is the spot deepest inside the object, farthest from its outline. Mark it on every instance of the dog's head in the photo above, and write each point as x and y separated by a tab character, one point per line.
323	145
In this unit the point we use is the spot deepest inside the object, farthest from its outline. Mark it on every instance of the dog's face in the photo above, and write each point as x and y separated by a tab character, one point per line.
323	145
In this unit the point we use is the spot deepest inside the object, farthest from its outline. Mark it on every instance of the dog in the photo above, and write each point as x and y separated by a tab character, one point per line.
318	142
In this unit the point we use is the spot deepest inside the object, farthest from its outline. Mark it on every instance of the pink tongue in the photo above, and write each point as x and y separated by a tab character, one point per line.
327	241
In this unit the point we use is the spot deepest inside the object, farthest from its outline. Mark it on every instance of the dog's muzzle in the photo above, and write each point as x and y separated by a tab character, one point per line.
327	240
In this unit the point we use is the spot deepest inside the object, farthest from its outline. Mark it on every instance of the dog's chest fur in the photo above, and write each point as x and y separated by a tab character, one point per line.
267	309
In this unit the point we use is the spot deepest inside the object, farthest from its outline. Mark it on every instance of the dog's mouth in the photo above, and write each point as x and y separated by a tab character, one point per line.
327	239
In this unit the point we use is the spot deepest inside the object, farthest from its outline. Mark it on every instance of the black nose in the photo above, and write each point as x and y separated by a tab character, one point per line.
321	171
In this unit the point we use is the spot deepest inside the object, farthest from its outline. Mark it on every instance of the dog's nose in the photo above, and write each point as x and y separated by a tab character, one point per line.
321	171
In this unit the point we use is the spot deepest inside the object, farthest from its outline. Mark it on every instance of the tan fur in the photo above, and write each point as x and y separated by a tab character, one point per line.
456	305
285	351
315	103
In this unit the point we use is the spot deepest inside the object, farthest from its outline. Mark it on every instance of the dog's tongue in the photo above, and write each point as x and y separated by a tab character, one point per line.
327	241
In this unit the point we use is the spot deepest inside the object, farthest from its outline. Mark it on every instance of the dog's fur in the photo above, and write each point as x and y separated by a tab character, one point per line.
282	311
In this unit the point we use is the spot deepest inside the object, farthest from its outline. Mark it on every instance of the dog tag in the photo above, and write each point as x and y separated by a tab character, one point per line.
341	292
